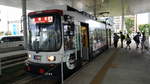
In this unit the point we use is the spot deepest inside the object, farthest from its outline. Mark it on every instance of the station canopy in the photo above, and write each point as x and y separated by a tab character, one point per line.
114	7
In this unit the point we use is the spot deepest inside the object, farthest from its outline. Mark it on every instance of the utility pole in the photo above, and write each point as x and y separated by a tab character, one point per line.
106	32
135	22
0	68
24	22
94	5
122	6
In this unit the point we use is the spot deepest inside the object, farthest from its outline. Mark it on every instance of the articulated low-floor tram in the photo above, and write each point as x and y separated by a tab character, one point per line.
62	35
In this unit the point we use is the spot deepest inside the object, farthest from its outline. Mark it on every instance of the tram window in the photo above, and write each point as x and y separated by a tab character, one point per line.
69	37
69	42
69	29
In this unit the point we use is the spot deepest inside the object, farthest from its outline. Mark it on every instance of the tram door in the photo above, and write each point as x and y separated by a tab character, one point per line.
84	42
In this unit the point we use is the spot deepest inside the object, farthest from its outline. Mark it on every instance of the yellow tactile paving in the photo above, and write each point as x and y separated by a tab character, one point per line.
101	74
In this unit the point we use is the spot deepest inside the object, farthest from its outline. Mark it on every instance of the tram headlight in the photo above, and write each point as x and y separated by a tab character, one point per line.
29	56
51	58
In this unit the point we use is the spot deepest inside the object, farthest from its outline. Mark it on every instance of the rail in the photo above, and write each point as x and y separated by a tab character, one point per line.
12	58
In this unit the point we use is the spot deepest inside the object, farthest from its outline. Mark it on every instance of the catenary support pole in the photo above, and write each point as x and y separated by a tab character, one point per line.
122	5
94	10
135	22
24	22
0	68
106	32
62	71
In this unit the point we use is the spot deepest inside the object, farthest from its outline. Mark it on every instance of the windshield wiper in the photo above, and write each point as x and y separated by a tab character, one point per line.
36	45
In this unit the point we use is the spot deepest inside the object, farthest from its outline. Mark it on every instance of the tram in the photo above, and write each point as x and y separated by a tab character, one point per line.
65	35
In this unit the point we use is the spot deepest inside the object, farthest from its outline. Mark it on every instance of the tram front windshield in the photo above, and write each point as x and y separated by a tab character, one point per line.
44	33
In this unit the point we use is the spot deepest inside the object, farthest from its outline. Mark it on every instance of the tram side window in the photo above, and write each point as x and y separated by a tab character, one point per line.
97	39
69	37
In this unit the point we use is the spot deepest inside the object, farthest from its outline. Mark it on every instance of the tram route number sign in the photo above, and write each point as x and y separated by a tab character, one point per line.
46	19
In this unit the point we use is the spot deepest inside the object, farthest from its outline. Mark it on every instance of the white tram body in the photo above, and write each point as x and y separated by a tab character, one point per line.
62	34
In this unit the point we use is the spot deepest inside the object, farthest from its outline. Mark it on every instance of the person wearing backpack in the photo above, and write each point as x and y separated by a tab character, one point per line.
122	37
136	38
128	41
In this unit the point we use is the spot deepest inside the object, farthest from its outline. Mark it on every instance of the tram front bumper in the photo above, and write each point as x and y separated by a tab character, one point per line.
43	69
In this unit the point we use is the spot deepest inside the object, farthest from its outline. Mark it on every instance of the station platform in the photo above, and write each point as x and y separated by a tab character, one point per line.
115	66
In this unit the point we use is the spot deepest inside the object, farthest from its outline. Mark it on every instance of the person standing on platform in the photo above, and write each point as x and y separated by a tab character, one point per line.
128	41
136	38
143	39
115	38
122	37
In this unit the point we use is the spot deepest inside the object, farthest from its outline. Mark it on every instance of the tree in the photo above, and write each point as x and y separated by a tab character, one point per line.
129	22
144	28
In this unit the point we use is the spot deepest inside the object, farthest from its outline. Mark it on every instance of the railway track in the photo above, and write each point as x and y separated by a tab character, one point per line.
25	80
34	80
17	75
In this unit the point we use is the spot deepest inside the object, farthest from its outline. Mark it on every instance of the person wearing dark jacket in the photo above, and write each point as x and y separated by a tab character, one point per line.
115	39
122	37
128	41
136	38
143	40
